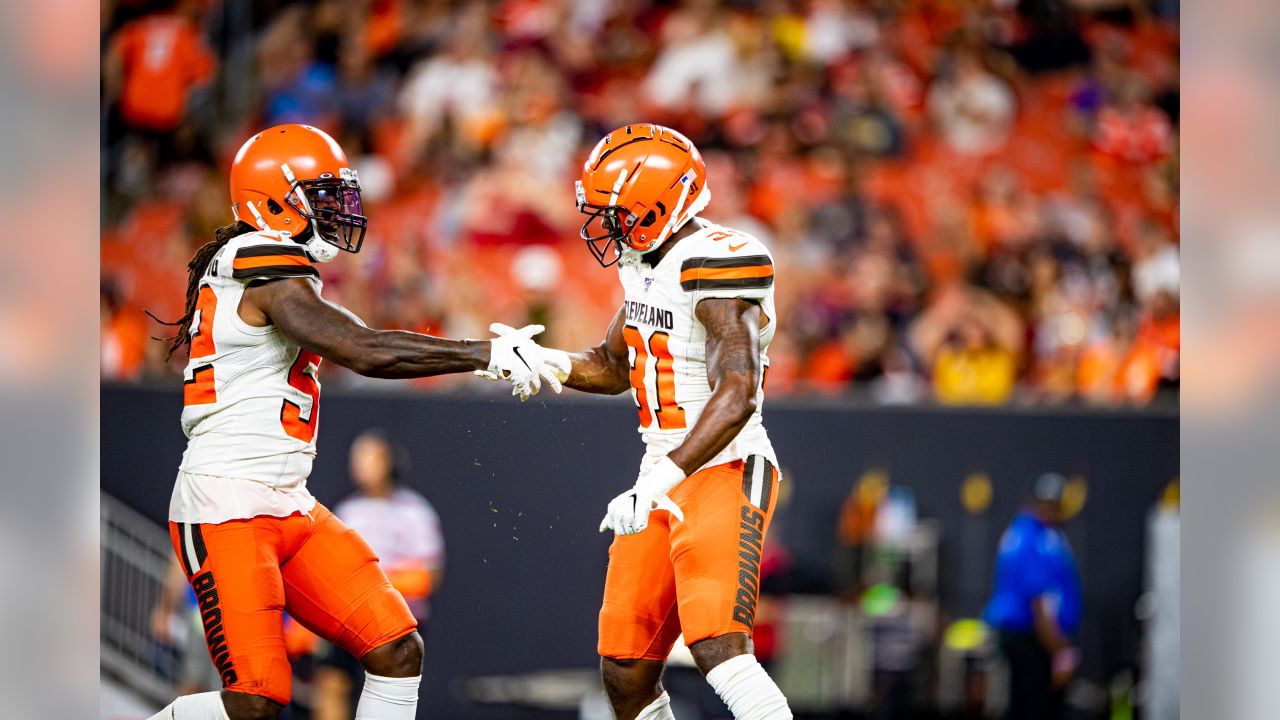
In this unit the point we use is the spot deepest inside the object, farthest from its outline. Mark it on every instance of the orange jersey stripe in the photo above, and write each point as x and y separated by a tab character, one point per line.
269	260
732	273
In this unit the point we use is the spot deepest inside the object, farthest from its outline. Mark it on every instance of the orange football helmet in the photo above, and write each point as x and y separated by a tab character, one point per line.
639	185
295	179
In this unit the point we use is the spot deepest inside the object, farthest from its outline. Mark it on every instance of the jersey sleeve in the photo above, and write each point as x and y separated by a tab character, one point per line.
269	261
737	266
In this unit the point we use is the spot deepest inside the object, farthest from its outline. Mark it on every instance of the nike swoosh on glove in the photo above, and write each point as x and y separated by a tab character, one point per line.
515	357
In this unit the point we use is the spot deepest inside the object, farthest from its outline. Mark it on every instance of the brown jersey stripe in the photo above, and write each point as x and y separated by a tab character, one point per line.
275	249
275	271
726	273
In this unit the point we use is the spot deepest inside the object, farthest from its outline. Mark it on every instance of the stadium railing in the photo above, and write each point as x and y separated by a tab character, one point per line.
135	558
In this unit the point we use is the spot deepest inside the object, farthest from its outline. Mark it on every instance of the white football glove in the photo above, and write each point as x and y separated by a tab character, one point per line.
515	357
629	512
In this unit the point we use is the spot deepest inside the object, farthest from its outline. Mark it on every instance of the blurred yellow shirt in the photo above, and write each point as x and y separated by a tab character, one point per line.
974	377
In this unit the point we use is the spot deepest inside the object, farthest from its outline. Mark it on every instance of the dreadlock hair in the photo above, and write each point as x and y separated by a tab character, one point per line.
195	271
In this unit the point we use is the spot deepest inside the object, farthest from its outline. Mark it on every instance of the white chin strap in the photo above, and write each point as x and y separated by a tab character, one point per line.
629	258
318	249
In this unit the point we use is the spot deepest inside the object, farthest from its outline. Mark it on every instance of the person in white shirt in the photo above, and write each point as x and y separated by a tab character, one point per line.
404	531
974	109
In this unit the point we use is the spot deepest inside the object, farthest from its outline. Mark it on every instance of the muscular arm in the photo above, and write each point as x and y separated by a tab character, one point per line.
604	369
733	371
295	307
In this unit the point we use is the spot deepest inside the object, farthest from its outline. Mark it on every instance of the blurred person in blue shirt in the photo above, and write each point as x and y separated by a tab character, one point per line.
1036	604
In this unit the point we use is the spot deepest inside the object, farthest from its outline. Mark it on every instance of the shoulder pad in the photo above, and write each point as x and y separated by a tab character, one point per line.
724	259
263	255
720	241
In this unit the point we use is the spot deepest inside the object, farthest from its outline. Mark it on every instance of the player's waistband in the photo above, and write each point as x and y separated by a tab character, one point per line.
752	440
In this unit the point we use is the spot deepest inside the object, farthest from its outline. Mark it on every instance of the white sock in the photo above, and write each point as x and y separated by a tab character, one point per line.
748	690
386	698
659	709
203	706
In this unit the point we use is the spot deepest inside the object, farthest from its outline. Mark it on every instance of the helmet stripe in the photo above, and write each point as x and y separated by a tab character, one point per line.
617	186
257	214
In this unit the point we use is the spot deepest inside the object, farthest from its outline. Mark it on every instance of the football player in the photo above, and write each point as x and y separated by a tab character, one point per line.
690	344
251	539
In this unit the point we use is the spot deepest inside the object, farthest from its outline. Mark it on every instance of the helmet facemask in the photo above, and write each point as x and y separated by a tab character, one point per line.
332	206
609	228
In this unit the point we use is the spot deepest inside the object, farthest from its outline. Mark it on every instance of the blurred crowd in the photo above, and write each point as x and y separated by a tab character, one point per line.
969	201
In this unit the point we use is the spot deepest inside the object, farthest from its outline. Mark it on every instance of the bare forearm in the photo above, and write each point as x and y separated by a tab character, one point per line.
337	335
593	371
726	413
733	370
605	368
398	354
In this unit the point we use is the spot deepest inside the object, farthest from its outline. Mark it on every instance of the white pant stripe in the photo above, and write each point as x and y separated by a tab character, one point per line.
757	481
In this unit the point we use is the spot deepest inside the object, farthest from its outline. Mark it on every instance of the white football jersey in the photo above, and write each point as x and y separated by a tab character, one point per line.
251	399
667	344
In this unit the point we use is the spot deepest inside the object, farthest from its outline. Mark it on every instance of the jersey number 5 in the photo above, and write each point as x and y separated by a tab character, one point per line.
670	415
302	376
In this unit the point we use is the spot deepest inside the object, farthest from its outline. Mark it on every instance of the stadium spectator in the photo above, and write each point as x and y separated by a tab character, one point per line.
150	68
973	343
1036	604
404	530
1130	128
710	63
973	107
458	87
153	66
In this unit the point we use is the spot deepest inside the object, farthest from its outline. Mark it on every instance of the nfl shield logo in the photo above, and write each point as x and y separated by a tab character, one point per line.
647	282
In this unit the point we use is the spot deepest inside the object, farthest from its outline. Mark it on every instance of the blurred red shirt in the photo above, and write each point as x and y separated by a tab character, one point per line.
163	58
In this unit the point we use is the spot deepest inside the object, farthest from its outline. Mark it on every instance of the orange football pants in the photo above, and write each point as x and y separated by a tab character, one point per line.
246	573
700	576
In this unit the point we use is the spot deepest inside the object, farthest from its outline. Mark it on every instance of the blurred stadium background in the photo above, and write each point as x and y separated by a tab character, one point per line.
973	206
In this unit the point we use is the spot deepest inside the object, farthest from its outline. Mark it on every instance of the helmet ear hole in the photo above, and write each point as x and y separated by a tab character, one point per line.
274	207
649	219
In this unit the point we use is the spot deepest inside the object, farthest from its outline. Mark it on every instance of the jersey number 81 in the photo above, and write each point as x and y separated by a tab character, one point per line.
670	415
